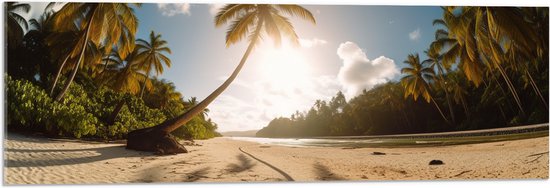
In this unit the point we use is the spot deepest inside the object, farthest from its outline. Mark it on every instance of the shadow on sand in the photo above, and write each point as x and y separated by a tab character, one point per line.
244	164
56	157
322	172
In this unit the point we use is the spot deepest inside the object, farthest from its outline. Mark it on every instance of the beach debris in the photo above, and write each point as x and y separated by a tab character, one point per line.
265	146
378	153
436	162
350	148
463	172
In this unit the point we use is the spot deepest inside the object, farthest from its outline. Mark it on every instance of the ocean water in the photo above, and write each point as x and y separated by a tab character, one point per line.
353	142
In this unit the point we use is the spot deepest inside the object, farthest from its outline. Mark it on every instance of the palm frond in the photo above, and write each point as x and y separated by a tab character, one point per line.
296	10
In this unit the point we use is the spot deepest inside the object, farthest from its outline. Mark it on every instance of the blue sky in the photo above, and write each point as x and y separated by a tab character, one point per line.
351	48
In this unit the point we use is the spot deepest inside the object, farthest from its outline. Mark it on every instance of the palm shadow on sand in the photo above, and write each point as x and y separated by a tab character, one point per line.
57	157
322	172
244	164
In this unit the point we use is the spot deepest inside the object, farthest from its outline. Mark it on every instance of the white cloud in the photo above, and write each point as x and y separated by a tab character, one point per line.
214	8
308	43
171	9
415	35
358	72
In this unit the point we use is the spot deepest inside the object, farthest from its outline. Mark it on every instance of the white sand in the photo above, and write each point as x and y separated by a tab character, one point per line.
36	160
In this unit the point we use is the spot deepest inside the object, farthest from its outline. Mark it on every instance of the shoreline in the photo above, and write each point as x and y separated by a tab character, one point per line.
35	160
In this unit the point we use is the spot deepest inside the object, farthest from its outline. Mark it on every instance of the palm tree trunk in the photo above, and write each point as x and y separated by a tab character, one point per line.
441	112
158	138
84	44
437	106
172	124
536	88
58	74
501	70
512	88
145	81
115	112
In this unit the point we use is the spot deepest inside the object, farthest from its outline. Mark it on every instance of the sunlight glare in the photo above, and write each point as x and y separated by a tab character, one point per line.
283	67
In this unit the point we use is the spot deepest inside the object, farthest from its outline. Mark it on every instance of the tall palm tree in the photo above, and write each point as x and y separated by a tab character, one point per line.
416	81
97	25
247	20
434	59
151	55
16	24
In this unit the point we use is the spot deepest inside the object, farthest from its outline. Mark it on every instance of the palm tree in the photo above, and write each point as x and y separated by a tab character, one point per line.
416	81
91	19
163	92
151	55
192	102
434	59
125	79
16	24
247	20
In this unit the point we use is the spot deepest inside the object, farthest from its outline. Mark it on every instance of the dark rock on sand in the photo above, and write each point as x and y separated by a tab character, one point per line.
436	162
378	153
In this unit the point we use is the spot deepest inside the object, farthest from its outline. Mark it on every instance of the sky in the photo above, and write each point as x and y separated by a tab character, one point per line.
349	49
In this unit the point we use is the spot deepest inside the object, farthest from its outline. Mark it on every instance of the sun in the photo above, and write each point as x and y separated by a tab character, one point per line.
283	67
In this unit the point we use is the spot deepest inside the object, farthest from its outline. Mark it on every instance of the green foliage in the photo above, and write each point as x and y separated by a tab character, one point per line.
84	112
29	107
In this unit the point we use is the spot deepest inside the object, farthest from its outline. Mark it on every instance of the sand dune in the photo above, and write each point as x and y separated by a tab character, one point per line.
35	160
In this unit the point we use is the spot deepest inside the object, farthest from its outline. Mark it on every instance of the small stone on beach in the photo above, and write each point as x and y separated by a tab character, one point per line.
436	162
378	153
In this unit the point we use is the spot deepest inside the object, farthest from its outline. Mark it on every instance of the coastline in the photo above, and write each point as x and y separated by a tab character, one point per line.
36	160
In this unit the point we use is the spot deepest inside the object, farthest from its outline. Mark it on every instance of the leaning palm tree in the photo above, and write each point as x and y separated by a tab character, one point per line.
97	25
16	24
247	20
416	81
150	54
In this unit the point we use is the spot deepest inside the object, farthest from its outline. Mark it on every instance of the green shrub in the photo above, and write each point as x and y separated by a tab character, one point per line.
84	112
29	107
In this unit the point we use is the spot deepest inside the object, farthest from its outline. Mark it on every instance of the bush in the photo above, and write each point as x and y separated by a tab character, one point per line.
84	112
30	108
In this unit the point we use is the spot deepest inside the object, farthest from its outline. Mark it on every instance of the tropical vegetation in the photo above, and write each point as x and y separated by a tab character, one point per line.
70	75
487	65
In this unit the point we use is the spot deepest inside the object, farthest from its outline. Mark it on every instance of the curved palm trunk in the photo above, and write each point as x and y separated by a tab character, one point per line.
438	108
511	88
441	112
75	70
158	138
58	74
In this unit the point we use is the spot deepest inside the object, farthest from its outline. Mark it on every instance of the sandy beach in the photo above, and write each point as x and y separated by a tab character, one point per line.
38	160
